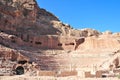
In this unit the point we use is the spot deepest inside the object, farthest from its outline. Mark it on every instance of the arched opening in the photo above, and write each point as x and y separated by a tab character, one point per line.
19	70
22	62
104	76
60	44
38	43
79	41
67	44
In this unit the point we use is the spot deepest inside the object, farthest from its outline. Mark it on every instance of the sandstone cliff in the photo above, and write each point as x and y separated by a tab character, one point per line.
24	16
30	34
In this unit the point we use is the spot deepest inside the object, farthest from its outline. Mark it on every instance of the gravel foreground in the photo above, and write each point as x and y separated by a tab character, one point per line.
51	78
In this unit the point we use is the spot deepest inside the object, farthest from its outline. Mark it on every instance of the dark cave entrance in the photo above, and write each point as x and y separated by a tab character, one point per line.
19	70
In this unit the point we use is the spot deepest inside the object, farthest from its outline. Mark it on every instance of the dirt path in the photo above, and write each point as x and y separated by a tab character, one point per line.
51	78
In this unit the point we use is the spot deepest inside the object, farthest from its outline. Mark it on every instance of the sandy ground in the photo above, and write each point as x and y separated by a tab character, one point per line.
51	78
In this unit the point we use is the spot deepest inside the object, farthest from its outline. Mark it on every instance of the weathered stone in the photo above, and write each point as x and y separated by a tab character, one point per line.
33	39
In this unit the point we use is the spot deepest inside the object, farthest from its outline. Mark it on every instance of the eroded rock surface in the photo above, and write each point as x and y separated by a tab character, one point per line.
33	39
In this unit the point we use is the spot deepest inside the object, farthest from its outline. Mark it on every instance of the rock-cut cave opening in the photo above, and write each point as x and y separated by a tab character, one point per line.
19	70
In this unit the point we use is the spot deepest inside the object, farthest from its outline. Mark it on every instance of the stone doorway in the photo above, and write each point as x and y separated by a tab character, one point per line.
19	70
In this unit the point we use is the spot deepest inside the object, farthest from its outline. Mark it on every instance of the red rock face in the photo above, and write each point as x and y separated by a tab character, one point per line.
21	17
30	34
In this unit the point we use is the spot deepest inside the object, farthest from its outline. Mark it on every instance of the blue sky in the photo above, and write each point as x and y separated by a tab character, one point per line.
101	15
